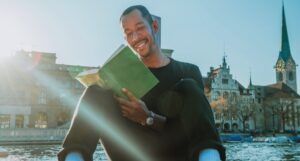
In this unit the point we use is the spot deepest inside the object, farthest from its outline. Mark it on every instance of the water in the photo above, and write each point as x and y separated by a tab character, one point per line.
235	152
41	153
263	152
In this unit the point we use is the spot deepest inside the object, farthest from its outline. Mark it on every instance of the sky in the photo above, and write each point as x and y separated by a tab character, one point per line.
87	32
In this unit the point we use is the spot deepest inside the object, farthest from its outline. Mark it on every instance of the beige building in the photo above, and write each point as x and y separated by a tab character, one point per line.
36	92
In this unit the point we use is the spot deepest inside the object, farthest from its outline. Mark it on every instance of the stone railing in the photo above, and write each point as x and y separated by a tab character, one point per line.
32	135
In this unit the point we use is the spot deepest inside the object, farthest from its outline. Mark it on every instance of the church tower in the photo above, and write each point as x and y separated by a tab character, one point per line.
285	66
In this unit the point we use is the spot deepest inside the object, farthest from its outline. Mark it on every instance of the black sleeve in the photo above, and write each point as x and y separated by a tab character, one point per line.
82	135
197	120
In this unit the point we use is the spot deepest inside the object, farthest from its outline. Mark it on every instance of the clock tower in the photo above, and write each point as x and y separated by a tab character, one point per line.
285	66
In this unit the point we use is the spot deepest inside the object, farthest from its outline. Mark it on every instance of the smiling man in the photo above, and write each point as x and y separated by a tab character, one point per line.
172	122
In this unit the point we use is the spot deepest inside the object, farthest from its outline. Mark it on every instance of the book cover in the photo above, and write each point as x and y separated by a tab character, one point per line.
122	70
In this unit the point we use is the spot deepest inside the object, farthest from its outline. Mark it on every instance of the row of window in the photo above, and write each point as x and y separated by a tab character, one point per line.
40	122
290	76
5	121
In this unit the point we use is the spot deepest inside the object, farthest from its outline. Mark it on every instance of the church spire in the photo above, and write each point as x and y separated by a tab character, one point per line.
286	66
224	61
250	86
250	83
285	52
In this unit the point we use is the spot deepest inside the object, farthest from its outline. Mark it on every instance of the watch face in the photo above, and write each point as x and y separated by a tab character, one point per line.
149	121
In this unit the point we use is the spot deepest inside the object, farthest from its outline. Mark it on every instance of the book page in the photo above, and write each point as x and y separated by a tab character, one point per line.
126	70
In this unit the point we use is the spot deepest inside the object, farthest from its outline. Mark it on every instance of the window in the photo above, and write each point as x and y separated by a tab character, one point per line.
291	76
234	97
41	120
42	99
4	121
218	94
259	100
298	114
19	121
224	81
225	95
280	76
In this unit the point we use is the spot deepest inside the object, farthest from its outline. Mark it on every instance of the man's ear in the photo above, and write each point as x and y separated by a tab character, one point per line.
155	26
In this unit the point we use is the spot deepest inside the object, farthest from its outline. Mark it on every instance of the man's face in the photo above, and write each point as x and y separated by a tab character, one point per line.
138	33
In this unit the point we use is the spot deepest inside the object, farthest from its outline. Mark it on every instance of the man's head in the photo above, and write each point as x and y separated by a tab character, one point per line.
139	30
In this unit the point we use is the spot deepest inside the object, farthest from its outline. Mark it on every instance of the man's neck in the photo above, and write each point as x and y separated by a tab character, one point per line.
156	60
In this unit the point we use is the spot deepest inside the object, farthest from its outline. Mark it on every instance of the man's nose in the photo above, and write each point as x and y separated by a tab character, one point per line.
135	36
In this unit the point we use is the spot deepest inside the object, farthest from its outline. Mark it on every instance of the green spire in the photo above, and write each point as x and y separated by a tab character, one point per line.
285	52
224	64
250	86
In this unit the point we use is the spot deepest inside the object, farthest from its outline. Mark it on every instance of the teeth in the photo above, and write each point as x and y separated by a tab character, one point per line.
140	44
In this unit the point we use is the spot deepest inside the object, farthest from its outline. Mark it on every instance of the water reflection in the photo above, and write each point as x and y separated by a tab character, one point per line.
235	152
41	153
263	151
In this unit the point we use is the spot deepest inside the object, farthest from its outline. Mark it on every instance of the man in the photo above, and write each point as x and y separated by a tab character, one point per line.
172	122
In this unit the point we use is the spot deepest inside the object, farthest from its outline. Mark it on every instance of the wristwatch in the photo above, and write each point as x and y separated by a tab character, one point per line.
150	119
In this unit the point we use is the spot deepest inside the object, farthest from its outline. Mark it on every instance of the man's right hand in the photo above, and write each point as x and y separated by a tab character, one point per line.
133	108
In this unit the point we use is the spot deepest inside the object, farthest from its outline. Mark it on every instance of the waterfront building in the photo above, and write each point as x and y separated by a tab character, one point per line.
36	92
280	101
274	107
280	105
285	66
232	103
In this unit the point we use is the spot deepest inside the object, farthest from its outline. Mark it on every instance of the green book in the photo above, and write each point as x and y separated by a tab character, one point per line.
122	70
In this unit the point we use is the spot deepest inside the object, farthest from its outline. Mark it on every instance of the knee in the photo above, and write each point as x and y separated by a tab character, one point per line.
188	85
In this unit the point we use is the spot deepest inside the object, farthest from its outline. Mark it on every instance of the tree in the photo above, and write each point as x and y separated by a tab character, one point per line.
233	106
280	108
220	108
246	110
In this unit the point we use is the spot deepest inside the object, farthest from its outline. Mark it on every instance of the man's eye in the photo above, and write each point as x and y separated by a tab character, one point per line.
129	34
140	27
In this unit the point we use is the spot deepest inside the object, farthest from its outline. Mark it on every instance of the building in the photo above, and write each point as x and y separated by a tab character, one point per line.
281	107
280	101
274	107
232	103
285	66
36	92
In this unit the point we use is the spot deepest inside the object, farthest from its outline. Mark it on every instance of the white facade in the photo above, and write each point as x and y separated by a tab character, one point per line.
223	86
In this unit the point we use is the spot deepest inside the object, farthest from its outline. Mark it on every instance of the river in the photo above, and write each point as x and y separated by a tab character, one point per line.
235	152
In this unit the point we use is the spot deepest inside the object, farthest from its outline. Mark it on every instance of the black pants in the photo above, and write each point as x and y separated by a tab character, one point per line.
187	131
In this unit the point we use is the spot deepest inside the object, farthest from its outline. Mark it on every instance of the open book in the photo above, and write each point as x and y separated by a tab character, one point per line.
122	70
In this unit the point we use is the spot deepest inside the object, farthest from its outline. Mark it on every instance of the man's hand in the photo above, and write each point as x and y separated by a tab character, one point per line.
134	109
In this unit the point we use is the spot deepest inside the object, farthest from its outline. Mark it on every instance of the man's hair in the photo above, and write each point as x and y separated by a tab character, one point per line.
144	11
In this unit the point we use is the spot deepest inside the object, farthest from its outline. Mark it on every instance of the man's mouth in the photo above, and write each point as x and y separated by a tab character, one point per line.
140	45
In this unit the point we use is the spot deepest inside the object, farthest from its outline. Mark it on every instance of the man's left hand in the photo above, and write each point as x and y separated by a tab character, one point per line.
133	108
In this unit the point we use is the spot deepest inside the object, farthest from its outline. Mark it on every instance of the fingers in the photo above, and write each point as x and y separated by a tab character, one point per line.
130	96
123	102
125	113
126	109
